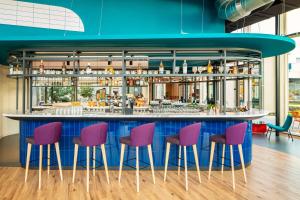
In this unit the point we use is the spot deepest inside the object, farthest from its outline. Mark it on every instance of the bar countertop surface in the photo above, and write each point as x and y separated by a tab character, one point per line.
249	115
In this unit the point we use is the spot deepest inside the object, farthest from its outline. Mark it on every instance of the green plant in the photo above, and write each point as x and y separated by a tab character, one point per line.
86	92
210	106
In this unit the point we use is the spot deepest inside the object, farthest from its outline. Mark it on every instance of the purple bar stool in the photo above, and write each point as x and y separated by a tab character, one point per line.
139	136
45	135
188	136
91	136
234	135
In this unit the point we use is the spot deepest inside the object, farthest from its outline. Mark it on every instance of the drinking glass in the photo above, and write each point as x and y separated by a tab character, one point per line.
199	70
194	69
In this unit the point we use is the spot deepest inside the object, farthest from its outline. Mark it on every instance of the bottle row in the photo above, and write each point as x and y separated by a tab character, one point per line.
232	68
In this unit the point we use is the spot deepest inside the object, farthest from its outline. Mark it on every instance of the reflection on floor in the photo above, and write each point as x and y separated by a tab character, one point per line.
9	147
9	151
281	143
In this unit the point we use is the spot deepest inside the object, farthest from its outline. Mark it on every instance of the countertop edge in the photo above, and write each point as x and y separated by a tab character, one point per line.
244	116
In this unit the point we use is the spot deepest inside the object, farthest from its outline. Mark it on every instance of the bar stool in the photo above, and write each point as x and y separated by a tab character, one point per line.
188	136
91	136
139	136
45	135
234	135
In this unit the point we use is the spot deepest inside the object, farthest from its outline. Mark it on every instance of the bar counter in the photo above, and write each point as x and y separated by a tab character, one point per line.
120	125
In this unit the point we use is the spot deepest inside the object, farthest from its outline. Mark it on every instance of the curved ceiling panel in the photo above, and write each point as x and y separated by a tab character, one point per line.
269	45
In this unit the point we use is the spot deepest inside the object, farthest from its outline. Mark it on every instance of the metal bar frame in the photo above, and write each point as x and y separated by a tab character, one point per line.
253	56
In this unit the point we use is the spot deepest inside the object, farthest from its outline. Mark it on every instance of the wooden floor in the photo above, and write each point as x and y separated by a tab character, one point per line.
272	175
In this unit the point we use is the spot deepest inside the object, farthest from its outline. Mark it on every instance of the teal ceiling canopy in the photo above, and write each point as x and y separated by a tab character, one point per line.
268	45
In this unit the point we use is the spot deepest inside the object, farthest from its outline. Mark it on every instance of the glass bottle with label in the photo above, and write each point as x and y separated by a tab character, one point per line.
64	68
209	67
184	67
88	69
41	67
161	68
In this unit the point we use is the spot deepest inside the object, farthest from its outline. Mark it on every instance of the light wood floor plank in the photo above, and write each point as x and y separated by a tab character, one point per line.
272	175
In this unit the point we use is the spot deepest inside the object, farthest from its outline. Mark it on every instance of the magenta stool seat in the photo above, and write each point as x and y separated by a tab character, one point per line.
45	135
139	136
188	136
234	135
91	136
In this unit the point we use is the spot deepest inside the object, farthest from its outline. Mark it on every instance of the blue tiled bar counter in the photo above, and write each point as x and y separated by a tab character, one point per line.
120	125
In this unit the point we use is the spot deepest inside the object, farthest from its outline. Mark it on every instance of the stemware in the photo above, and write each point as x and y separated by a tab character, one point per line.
194	70
199	70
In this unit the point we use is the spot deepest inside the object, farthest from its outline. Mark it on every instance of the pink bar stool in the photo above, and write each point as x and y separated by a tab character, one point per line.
234	135
139	136
45	135
91	136
188	136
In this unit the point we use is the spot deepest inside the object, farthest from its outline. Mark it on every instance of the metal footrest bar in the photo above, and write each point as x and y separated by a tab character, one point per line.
91	167
52	161
235	162
128	165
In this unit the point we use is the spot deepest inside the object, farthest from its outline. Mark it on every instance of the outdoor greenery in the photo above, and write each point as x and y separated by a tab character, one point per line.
86	92
60	94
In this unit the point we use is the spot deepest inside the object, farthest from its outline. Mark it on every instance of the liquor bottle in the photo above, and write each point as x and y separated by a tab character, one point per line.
131	82
184	67
137	82
209	67
161	68
127	81
11	69
88	69
235	69
139	69
142	82
41	67
64	68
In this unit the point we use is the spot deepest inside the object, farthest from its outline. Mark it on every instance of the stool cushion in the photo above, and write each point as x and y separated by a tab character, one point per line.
218	138
30	140
76	140
125	140
174	139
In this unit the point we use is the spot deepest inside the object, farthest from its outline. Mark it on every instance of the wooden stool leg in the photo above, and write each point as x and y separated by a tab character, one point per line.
105	162
232	167
87	169
40	166
137	170
94	160
197	161
185	169
223	157
211	158
75	161
27	160
167	160
179	159
48	159
151	161
242	161
58	160
121	161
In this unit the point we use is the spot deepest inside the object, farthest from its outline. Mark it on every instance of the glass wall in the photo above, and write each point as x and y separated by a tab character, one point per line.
292	27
